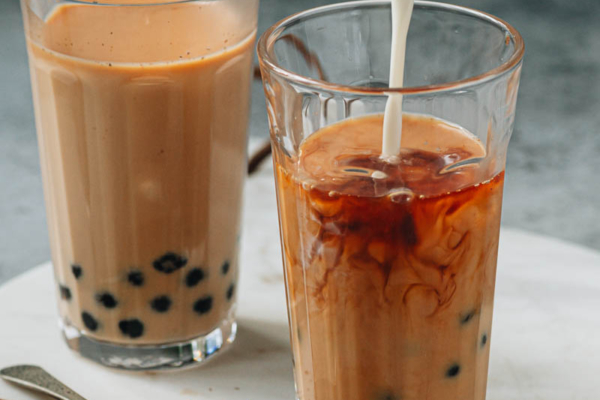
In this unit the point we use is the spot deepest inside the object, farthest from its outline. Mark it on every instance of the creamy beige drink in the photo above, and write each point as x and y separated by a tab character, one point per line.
142	114
390	267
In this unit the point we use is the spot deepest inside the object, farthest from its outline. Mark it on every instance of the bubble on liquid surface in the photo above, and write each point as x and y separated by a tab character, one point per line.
363	173
394	160
402	196
379	175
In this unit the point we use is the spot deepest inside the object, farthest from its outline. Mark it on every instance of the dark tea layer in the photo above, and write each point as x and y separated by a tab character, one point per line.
390	264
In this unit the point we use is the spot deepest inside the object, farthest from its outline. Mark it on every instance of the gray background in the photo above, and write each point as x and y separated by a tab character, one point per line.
552	186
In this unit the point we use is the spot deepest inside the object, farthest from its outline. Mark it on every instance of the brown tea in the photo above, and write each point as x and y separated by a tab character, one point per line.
390	265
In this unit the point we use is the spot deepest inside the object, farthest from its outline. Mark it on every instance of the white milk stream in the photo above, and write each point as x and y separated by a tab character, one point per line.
392	124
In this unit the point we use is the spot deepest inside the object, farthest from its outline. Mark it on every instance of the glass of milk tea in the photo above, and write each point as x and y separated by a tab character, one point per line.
390	255
141	109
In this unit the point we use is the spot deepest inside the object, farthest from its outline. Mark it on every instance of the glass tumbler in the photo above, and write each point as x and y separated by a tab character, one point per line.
390	264
141	109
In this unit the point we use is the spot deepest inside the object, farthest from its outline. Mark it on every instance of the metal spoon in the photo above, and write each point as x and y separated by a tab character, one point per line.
36	378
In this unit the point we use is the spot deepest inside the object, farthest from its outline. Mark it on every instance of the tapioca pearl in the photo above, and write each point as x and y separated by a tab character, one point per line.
467	317
230	291
204	305
386	395
453	371
76	270
136	278
169	263
161	304
65	292
194	277
484	340
225	267
89	321
107	300
133	328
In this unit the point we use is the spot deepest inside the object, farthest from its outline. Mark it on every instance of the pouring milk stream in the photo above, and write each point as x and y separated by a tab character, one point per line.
392	126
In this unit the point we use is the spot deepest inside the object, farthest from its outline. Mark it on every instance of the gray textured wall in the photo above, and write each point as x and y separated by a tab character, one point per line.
553	183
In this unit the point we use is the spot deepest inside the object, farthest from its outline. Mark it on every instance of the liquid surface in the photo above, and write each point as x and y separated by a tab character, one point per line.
136	34
390	273
345	157
143	163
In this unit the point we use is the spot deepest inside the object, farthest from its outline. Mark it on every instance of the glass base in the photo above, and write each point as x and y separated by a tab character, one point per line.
173	356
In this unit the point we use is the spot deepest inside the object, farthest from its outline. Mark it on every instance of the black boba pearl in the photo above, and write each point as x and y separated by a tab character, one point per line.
161	304
89	321
133	328
107	300
230	291
484	340
387	395
225	267
467	317
136	278
65	292
453	371
77	271
203	305
169	263
194	277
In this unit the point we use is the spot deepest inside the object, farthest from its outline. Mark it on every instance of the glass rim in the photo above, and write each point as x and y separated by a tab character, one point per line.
267	40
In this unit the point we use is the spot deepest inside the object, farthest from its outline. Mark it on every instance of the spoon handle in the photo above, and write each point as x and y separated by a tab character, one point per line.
36	378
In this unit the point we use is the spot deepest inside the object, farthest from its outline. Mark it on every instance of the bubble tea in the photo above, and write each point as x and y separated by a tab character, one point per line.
389	218
390	266
142	110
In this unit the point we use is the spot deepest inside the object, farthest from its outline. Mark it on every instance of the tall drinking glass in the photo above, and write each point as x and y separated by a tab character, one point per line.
390	263
141	109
